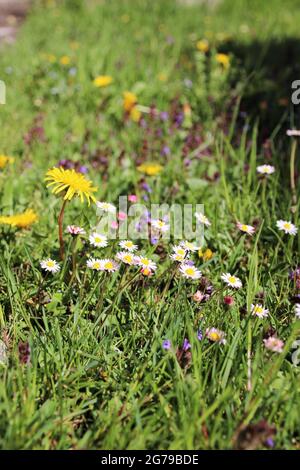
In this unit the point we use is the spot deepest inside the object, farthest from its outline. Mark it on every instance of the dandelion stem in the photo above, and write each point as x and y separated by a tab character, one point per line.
60	230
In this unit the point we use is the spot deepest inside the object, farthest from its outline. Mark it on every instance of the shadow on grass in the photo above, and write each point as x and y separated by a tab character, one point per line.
269	68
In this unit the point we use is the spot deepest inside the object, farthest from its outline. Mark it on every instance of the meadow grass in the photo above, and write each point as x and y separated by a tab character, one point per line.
83	365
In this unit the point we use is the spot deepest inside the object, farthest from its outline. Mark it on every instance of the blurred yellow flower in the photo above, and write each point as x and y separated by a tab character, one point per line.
65	60
50	58
206	255
223	59
102	81
22	220
202	45
162	77
150	168
135	114
74	45
129	100
4	160
71	183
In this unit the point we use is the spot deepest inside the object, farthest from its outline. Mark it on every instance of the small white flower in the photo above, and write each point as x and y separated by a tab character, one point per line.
231	281
50	265
126	257
146	263
215	335
95	264
265	169
189	246
160	225
178	257
259	311
106	207
202	219
274	344
293	133
98	240
189	271
245	228
128	245
74	230
179	253
297	310
109	265
286	227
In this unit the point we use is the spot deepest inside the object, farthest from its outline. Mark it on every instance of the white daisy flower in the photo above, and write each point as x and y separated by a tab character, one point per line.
179	253
274	344
94	263
146	263
202	219
178	257
259	311
297	310
231	281
74	230
160	225
265	169
126	257
245	228
50	265
109	265
106	207
98	240
287	227
189	271
215	335
128	245
189	246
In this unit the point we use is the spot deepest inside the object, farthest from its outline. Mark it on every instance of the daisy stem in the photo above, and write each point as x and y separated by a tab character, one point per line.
292	171
60	230
249	364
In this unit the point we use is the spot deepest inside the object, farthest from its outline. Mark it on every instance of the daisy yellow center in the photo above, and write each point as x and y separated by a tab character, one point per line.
258	309
232	279
98	239
160	223
287	226
108	265
129	244
96	265
145	261
190	271
181	252
214	336
50	264
244	228
128	258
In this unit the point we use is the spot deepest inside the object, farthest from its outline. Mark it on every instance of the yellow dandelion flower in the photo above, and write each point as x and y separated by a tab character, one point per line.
206	255
129	100
71	183
65	60
150	168
23	220
202	45
4	160
102	81
223	59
